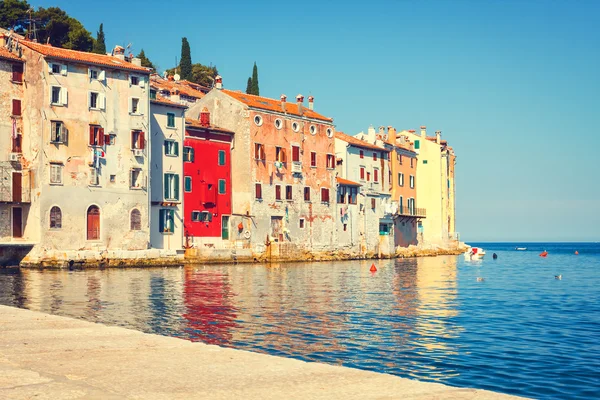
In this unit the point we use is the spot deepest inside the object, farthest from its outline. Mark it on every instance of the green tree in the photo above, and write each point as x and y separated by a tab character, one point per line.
99	44
255	89
13	14
201	74
249	86
60	30
185	65
145	61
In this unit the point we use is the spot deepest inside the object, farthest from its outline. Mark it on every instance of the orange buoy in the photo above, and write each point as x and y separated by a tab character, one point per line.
544	253
373	268
576	252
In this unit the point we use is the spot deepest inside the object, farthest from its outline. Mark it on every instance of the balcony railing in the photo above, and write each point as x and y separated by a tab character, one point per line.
405	211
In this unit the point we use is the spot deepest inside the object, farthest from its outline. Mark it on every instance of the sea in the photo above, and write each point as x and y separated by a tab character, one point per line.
505	324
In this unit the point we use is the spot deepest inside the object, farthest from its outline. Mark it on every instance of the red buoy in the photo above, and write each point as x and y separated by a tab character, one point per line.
576	252
544	253
373	268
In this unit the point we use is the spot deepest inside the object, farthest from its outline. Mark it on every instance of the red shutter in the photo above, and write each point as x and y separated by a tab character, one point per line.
91	135
142	140
362	155
325	195
277	192
100	136
258	191
375	175
313	159
107	141
374	156
16	107
283	156
17	72
362	173
295	153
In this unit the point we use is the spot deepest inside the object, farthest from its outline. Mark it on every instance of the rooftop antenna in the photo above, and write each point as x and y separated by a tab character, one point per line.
32	33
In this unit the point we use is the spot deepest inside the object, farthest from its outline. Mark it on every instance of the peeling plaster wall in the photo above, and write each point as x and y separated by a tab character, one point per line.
113	195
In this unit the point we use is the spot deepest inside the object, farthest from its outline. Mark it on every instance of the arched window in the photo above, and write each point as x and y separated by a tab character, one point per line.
55	218
93	223
136	220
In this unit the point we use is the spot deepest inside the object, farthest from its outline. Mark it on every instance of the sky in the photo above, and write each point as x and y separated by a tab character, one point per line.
513	85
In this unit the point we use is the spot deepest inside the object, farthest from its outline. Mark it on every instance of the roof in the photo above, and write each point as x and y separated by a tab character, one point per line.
266	103
194	123
357	142
346	182
166	102
8	55
183	87
83	57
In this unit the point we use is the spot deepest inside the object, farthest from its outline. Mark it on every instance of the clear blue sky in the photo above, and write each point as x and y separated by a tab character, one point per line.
514	86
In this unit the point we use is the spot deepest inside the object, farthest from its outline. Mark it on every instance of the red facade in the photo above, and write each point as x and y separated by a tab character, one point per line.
207	181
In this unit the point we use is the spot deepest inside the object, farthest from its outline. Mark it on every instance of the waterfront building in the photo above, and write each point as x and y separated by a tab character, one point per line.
207	183
84	118
167	127
283	166
178	91
435	187
363	159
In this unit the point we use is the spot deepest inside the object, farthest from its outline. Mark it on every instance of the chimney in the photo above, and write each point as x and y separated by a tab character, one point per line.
219	82
119	52
311	101
371	138
136	61
438	137
170	78
423	131
205	117
381	132
391	135
283	100
299	101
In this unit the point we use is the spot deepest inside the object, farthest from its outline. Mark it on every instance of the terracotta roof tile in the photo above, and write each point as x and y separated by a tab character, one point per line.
8	55
357	142
164	101
83	57
194	123
346	182
266	103
181	87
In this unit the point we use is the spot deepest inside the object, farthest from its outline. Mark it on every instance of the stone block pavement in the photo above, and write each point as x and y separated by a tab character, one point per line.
50	357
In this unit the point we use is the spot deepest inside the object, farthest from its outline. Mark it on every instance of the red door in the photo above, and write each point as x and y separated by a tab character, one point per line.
93	223
17	222
17	187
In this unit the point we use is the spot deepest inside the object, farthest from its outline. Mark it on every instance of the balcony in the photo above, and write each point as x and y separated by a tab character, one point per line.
405	211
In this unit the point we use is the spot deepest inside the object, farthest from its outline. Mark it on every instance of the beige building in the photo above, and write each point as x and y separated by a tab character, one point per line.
84	118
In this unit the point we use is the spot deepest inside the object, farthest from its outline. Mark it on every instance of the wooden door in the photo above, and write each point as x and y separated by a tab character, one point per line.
17	222
93	223
276	228
17	187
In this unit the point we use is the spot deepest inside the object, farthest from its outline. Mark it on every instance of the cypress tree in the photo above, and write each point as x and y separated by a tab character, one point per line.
185	65
99	43
145	61
255	89
249	86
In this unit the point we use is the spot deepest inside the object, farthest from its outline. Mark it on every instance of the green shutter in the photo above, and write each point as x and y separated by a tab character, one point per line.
176	144
171	220
417	144
161	221
188	183
222	186
191	154
166	186
166	147
176	187
221	157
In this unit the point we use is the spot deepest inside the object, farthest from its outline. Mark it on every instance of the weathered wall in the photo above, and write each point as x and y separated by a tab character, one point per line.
161	164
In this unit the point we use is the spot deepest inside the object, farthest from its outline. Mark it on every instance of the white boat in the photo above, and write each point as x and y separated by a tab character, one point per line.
521	248
474	253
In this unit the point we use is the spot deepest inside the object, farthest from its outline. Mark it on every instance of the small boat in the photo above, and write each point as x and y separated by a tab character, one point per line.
474	253
521	248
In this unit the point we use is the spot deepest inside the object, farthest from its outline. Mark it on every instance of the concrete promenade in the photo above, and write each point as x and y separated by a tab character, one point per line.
50	357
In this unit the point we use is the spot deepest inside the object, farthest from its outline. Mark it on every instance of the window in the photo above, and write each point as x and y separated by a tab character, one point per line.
16	144
295	153
188	154
362	173
225	227
424	161
373	203
417	144
54	68
96	135
295	126
330	161
352	195
58	132
205	216
329	132
313	130
196	216
368	176
345	227
93	74
153	94
374	156
187	183
16	107
221	157
258	191
288	192
258	120
137	140
362	154
93	223
301	223
134	80
278	123
171	186
411	162
384	229
277	192
341	195
113	178
313	159
376	175
135	220
56	173
55	218
110	139
170	120
280	155
171	148
166	221
325	195
17	73
96	101
134	106
307	193
400	158
58	96
400	179
259	152
222	186
135	181
94	179
412	182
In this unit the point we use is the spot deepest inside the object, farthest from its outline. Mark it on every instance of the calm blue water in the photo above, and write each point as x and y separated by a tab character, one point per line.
520	331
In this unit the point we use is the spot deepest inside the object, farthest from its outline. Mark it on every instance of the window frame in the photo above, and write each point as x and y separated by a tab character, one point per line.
139	179
171	119
224	154
325	194
188	154
330	161
307	194
412	181
57	225
187	182
53	168
277	192
133	227
171	193
171	148
289	192
258	191
222	184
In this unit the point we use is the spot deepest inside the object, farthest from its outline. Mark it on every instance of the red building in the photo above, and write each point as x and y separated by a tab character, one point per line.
206	182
